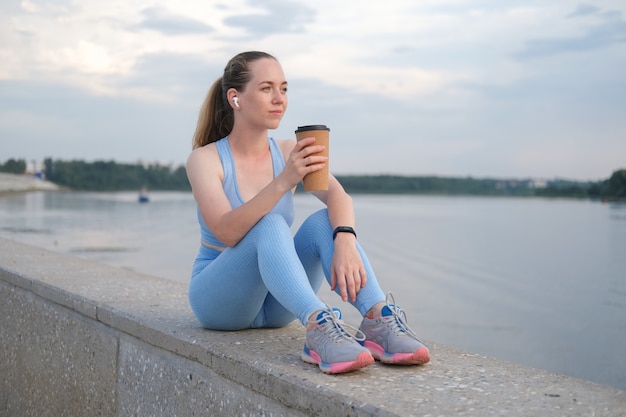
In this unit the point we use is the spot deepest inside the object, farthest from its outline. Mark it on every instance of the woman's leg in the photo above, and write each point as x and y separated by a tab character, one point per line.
387	335
260	282
314	245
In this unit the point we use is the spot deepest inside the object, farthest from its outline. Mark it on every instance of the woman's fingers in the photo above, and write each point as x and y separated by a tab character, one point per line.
354	285
304	157
302	161
349	284
305	149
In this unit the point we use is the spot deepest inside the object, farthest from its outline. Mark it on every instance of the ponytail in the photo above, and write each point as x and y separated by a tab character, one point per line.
216	117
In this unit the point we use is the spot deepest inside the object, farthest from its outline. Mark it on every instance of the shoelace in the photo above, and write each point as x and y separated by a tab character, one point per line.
399	324
337	329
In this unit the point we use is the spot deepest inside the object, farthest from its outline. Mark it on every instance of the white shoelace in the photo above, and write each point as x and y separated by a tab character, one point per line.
399	323
337	331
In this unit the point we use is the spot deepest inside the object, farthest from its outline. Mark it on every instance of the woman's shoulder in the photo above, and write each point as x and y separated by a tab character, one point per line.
203	153
203	164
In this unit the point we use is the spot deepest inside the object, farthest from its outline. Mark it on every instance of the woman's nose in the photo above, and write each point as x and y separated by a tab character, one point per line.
279	97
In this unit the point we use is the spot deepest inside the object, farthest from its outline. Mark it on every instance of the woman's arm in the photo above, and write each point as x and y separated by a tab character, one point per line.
204	170
347	269
339	203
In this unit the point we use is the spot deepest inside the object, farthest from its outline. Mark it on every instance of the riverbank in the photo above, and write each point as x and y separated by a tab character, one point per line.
20	183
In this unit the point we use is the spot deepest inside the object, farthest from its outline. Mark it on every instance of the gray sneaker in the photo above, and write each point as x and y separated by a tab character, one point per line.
332	348
390	340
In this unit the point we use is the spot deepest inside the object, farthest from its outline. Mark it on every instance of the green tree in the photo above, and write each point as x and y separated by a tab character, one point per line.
14	166
616	186
111	176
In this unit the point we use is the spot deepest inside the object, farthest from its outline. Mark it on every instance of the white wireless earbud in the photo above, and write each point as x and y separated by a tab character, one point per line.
236	101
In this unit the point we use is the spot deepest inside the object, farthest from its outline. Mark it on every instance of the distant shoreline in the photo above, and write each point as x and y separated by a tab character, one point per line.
613	189
11	183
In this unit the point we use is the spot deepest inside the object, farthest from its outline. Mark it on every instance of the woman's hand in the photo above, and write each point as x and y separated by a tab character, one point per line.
301	161
346	270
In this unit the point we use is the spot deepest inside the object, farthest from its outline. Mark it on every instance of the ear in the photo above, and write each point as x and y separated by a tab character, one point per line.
230	94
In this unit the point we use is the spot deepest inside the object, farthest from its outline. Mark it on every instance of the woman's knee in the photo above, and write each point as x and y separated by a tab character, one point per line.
272	221
316	226
318	221
272	226
320	215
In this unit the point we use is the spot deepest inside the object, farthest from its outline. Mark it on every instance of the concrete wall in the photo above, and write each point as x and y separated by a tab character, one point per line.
20	183
84	339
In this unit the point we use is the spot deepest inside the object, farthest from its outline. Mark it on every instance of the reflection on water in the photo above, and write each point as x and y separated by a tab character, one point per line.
157	238
536	281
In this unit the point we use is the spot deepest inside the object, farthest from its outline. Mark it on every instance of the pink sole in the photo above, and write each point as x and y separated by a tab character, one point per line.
420	357
364	359
416	358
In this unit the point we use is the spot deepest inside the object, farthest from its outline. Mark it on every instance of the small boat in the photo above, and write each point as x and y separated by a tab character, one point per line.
143	196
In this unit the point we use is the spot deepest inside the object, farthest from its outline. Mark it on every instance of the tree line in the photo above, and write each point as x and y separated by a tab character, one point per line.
113	176
613	188
13	166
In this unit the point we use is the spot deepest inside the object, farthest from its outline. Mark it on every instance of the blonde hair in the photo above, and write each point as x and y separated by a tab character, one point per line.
216	117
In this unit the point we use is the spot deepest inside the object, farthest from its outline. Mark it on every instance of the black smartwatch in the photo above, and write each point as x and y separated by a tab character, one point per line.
343	229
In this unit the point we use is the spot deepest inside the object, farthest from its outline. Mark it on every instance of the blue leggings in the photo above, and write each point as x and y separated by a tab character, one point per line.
270	277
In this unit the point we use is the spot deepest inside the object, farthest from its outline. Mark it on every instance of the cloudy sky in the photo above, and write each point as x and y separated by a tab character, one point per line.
482	88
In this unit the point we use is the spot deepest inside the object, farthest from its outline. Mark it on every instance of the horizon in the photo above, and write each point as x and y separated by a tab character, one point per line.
32	170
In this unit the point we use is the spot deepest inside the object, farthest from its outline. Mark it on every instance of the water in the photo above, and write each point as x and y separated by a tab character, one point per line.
535	281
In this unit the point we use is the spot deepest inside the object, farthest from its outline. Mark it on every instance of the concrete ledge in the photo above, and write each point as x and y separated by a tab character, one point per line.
83	339
19	183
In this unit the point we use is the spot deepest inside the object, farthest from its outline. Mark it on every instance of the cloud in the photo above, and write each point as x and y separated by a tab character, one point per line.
611	31
584	10
161	20
30	7
451	87
277	17
170	78
42	119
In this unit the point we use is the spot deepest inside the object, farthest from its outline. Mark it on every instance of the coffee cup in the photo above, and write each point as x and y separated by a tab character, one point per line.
318	180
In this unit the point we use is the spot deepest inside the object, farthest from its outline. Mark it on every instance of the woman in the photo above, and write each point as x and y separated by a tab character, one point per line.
250	271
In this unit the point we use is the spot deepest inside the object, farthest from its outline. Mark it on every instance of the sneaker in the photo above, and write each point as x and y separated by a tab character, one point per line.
390	340
332	348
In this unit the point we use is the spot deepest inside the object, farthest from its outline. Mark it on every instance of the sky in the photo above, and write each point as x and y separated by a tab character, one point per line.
480	88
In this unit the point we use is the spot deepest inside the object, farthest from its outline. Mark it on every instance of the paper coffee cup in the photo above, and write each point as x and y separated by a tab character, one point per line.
318	180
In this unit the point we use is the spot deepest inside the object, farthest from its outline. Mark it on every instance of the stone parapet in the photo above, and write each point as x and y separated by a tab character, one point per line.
83	339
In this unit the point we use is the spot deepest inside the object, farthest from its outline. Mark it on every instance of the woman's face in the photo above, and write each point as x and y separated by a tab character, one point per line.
264	100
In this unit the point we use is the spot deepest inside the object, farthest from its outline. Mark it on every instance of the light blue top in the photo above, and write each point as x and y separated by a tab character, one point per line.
284	207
